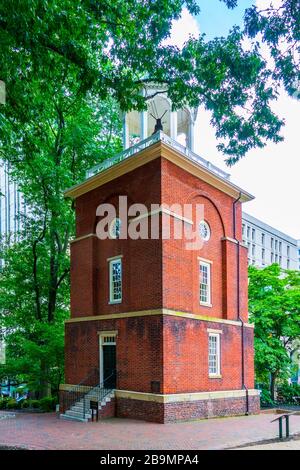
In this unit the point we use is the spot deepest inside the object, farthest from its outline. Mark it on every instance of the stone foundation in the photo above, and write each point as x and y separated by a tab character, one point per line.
160	412
159	408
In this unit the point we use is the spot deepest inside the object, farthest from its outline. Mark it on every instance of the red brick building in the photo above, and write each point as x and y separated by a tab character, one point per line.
166	326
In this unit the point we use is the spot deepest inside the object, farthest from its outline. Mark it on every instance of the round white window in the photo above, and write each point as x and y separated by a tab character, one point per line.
204	230
115	228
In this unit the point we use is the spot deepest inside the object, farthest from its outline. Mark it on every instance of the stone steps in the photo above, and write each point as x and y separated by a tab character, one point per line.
76	411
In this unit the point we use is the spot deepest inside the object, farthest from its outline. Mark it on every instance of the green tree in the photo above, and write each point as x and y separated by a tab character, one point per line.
115	47
48	154
274	308
277	27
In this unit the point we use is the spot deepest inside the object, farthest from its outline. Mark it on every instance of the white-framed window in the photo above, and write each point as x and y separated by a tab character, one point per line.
115	280
253	234
263	239
205	282
214	354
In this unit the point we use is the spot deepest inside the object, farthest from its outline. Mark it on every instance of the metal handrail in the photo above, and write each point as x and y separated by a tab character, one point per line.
77	393
95	369
102	391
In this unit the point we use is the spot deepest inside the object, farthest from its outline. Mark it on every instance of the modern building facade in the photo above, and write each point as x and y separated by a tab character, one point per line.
267	245
165	327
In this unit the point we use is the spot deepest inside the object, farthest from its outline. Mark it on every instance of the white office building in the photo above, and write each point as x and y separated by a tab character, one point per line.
267	245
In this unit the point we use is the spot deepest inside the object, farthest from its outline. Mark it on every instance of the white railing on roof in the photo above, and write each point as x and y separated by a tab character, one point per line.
157	137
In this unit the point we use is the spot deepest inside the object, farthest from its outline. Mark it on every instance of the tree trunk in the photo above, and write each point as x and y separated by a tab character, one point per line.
272	385
52	293
45	385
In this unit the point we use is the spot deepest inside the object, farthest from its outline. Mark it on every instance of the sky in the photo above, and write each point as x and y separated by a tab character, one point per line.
271	174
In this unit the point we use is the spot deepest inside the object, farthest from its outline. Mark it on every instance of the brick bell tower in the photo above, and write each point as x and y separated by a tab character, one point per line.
160	329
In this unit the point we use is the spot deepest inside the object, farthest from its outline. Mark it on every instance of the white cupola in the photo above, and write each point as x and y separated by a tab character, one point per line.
179	124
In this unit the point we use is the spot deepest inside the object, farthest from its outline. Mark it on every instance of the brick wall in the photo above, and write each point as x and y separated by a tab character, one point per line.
186	356
170	350
139	351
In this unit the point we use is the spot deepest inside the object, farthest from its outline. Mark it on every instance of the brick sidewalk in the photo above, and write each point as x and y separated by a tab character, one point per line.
46	431
289	445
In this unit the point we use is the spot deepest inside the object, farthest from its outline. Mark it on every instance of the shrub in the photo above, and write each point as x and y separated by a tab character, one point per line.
47	404
44	404
265	398
12	404
25	404
286	393
34	404
3	403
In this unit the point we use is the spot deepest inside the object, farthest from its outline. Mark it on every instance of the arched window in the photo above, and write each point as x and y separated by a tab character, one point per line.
159	107
115	229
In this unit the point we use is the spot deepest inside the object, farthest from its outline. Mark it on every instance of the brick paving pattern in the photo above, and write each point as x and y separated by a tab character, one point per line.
290	445
46	431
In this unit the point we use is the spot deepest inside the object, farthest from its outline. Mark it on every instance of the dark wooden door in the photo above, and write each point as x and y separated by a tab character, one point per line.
109	366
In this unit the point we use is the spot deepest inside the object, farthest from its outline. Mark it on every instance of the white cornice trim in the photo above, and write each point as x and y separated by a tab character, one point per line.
163	311
158	150
83	237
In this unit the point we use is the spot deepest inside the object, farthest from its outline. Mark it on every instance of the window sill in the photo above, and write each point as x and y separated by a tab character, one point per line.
114	302
202	304
215	376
